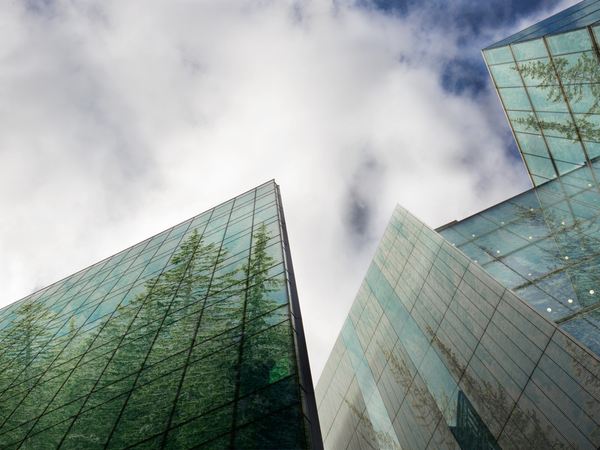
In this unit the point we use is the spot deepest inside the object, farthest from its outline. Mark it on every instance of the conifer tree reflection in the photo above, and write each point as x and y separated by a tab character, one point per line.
567	246
23	357
492	403
185	354
375	439
579	81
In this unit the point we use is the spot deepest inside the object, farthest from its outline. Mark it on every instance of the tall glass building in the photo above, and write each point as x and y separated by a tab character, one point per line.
485	333
190	339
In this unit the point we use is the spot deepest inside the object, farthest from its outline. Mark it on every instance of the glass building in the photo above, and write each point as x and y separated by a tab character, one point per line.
547	77
190	339
485	333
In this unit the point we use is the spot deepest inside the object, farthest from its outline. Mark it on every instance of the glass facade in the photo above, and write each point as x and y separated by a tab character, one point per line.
548	79
544	245
437	354
485	333
189	339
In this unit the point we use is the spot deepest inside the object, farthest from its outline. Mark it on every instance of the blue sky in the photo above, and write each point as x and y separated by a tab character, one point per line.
119	119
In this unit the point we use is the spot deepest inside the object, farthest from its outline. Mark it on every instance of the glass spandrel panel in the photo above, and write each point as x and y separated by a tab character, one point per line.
547	199
452	236
582	22
565	168
585	282
530	50
564	22
476	253
574	41
540	28
533	262
540	166
543	302
586	330
506	75
198	222
498	55
560	287
538	72
533	144
541	102
475	226
531	227
583	211
524	121
244	199
267	358
588	197
566	150
576	68
557	124
512	209
583	178
504	274
515	98
267	187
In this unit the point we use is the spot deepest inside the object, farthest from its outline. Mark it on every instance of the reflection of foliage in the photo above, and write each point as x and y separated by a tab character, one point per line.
494	405
173	352
589	381
426	405
585	71
572	247
382	439
576	80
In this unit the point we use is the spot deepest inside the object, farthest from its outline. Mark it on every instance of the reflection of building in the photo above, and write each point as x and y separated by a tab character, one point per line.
470	431
486	333
190	339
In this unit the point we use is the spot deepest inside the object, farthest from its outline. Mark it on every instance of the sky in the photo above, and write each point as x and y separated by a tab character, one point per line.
119	119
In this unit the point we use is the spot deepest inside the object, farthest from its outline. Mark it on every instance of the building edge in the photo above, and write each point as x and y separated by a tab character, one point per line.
305	375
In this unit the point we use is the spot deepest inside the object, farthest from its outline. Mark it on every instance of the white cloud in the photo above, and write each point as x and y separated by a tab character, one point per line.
120	119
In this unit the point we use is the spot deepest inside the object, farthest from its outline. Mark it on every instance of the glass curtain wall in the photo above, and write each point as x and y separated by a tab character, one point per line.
437	354
185	340
548	79
545	245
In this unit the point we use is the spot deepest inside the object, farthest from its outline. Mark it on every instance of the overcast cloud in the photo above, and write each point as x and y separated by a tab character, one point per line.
119	119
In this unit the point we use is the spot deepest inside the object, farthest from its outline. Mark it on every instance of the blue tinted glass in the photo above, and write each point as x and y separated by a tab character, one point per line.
515	98
539	98
506	75
530	50
523	121
557	124
532	144
586	330
574	41
566	150
583	22
499	55
541	28
539	166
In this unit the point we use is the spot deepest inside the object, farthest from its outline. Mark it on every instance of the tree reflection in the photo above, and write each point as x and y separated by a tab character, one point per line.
586	370
558	247
200	338
579	81
383	440
492	404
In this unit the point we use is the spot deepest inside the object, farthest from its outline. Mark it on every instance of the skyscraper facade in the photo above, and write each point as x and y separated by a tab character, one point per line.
486	333
190	339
